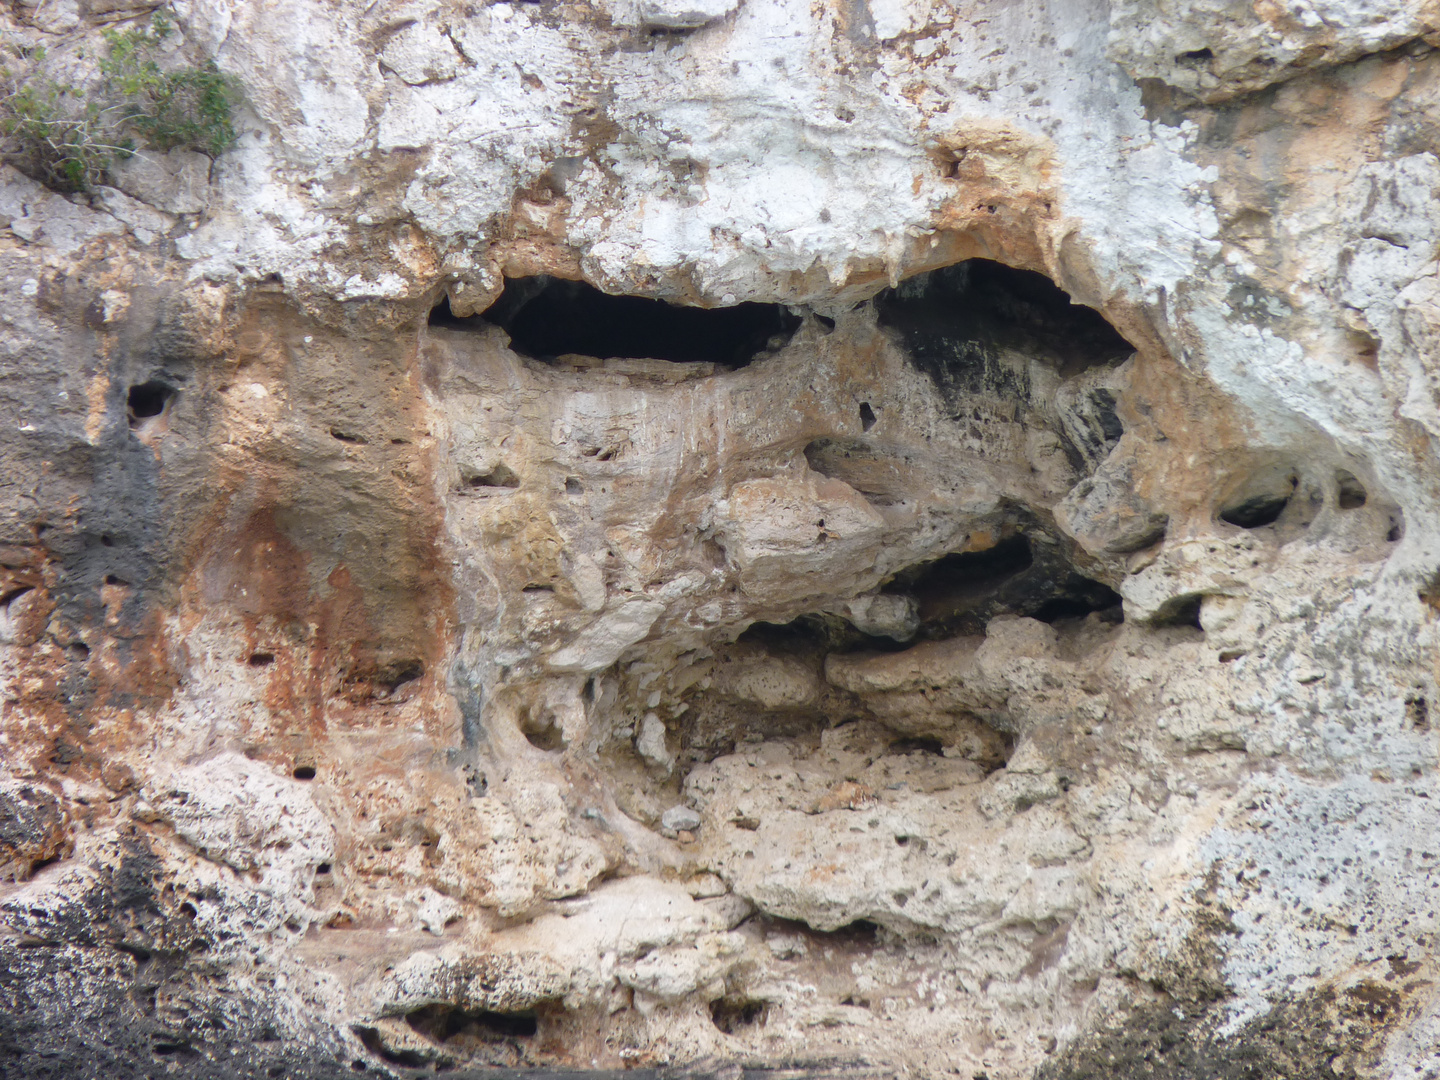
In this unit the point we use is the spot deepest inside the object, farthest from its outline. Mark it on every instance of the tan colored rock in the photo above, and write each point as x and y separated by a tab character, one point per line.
1032	606
769	682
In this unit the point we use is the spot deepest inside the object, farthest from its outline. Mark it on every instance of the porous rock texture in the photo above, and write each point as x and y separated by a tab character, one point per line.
894	536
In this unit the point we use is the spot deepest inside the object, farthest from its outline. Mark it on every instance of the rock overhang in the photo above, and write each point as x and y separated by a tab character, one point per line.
854	613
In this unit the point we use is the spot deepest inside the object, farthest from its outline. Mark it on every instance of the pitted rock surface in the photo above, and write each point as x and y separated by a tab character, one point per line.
695	538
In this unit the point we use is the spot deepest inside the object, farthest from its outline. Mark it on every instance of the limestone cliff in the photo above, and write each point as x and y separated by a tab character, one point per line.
882	536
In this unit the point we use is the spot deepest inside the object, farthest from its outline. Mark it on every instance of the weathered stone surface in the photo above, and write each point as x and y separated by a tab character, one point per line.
680	817
682	14
985	625
34	829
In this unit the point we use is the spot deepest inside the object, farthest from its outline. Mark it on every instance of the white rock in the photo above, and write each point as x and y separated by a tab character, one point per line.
884	615
672	974
177	182
683	14
147	223
778	530
240	812
421	53
44	218
496	981
600	644
770	682
650	743
680	817
433	910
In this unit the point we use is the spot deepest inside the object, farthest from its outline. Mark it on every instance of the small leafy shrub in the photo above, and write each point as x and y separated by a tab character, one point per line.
188	107
67	134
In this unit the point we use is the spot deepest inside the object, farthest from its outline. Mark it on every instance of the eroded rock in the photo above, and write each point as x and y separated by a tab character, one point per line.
665	532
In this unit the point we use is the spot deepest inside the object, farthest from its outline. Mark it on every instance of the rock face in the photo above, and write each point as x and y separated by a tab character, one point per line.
888	536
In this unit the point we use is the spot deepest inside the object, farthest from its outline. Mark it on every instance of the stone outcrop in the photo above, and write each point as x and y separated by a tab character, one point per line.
863	538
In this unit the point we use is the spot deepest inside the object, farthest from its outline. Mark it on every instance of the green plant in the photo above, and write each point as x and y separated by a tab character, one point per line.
189	107
53	131
67	135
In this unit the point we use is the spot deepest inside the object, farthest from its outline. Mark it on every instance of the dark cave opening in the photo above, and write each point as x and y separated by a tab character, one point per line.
955	320
734	1015
549	317
962	579
958	594
1086	596
1180	611
917	744
961	592
146	400
815	632
1256	512
1350	492
502	476
1277	495
449	1024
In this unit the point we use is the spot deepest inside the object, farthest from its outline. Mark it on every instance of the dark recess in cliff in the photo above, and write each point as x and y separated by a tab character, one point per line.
548	317
961	592
815	632
954	321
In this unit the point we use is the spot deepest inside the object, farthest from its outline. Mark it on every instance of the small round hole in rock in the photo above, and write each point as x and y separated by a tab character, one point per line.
1417	712
502	476
1351	493
396	673
1181	611
918	744
1086	596
323	868
148	399
732	1016
550	738
1256	512
304	772
261	659
861	932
